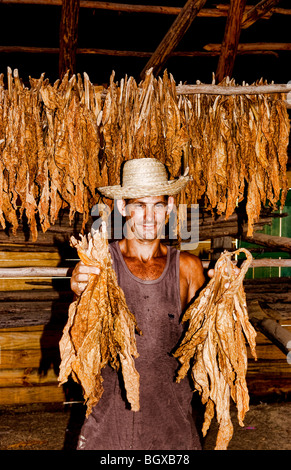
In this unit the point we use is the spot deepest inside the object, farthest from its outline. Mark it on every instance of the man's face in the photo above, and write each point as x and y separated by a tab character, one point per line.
145	217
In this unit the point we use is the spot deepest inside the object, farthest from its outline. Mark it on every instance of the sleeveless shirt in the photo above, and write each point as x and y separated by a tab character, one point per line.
164	421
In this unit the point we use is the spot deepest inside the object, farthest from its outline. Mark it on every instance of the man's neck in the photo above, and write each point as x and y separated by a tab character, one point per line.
144	250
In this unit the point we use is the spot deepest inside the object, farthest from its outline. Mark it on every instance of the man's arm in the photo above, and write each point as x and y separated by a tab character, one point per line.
191	276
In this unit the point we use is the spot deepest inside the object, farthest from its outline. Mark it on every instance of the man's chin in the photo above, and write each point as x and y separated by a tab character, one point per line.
146	235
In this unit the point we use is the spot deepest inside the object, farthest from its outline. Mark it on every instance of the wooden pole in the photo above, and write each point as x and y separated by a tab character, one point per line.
173	36
34	272
45	271
257	12
217	12
68	36
270	328
232	90
231	39
281	243
118	53
254	46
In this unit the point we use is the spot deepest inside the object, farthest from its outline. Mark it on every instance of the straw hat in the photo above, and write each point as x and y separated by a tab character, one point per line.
143	177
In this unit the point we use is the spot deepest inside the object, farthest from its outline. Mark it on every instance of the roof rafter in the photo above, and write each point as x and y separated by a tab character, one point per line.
219	10
123	53
257	12
231	39
173	36
68	36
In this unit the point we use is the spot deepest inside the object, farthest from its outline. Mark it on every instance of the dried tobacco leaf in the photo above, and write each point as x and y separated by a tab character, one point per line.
60	142
214	347
100	328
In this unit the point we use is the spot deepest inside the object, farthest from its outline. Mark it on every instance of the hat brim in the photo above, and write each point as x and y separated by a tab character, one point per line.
170	188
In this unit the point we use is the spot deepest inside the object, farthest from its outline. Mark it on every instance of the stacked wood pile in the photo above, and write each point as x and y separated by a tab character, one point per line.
33	312
271	373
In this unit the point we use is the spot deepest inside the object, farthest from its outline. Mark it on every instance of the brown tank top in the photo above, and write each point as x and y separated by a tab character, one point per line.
165	418
156	304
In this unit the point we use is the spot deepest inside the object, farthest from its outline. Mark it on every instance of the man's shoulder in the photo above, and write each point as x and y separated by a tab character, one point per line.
190	265
187	258
191	272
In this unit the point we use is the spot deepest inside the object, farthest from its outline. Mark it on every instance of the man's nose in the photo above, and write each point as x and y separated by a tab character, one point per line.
149	213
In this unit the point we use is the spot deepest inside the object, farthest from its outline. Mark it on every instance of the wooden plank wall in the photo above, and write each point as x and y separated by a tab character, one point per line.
33	312
270	375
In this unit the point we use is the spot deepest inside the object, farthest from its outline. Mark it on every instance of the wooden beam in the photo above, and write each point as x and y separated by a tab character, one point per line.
259	318
231	39
232	90
125	7
173	36
8	273
39	394
282	11
118	53
217	12
271	263
30	50
35	272
68	36
281	243
257	12
257	46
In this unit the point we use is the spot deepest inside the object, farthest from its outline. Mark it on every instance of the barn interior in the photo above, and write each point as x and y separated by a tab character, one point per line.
68	62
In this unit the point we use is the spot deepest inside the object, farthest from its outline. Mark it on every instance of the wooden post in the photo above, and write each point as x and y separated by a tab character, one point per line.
173	36
258	314
220	244
68	36
257	12
272	241
253	46
230	40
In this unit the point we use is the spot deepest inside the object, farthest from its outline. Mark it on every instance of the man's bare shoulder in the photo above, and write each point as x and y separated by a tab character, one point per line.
191	268
190	261
191	273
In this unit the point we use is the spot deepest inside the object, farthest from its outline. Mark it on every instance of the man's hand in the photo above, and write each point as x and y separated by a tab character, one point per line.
80	277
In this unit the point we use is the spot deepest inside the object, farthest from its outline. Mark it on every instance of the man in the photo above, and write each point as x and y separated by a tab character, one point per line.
158	282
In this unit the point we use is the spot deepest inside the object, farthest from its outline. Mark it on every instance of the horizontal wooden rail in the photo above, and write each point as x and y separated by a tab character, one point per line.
217	12
121	53
106	52
233	90
32	271
198	88
257	46
279	335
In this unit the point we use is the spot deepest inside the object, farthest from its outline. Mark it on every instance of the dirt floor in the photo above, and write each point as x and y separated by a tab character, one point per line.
55	427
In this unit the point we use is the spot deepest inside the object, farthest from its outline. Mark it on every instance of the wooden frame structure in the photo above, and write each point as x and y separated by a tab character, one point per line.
238	15
28	288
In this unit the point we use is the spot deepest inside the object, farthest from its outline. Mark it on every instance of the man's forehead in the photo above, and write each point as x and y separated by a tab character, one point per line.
148	199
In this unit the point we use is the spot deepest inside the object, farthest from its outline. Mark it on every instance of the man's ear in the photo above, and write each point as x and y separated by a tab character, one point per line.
171	202
120	203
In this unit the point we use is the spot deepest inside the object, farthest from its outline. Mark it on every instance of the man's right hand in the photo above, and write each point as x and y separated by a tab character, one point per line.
80	277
